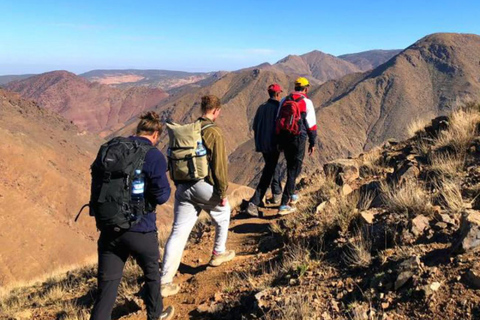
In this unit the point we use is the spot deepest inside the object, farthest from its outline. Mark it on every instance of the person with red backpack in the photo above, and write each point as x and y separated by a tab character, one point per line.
296	122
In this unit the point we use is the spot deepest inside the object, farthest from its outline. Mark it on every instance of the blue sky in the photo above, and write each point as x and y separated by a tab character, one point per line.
39	36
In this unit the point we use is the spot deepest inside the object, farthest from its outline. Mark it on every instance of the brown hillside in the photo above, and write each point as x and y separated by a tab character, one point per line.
425	80
371	59
93	107
45	179
316	64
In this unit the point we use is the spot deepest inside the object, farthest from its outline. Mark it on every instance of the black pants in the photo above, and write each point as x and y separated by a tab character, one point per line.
270	170
294	150
113	251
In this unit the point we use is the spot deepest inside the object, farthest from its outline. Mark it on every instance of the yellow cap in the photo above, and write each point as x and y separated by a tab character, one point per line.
302	82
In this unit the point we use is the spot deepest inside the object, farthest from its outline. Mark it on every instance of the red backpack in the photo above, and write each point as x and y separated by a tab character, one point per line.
289	117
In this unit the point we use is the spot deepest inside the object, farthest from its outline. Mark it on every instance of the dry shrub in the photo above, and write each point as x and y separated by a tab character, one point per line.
408	197
358	251
450	195
461	131
341	212
446	165
297	308
417	126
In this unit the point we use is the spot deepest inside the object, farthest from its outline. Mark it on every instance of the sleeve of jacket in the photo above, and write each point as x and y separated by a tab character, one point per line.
219	164
311	122
156	169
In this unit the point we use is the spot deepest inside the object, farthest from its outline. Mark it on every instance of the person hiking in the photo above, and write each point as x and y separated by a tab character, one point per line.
266	143
140	241
296	121
209	194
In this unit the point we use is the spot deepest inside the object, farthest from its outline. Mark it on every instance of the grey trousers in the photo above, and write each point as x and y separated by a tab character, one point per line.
190	200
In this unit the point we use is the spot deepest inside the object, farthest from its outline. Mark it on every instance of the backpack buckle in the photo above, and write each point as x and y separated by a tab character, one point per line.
107	176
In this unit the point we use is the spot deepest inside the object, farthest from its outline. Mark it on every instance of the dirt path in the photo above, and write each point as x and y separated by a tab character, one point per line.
199	283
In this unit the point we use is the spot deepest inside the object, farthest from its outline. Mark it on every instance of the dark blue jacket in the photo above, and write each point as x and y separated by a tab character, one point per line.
157	188
264	126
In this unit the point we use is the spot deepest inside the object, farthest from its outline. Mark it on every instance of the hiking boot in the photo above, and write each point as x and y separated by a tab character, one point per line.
284	210
169	289
275	199
218	259
252	210
294	198
167	314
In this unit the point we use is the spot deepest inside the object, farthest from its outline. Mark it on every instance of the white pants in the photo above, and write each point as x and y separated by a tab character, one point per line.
190	199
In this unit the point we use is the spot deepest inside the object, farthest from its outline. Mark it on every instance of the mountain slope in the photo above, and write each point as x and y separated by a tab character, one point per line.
368	60
93	107
425	80
163	79
45	179
316	64
9	78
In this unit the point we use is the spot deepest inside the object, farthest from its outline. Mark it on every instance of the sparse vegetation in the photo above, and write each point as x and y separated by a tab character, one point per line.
409	197
358	251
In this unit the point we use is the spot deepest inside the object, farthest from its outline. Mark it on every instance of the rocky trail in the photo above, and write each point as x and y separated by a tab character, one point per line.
201	285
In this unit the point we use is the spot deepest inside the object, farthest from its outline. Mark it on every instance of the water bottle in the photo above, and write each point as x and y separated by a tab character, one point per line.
138	186
201	151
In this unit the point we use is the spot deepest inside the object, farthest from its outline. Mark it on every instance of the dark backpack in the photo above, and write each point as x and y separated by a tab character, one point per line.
289	116
112	174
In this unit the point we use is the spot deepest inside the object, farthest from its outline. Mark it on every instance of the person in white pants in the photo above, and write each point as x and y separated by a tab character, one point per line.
191	198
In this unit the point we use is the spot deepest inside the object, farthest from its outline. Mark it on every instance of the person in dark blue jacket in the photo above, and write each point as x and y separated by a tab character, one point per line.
141	240
266	143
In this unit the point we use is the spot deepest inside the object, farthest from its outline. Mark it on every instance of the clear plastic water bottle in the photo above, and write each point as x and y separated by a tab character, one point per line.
201	151
138	186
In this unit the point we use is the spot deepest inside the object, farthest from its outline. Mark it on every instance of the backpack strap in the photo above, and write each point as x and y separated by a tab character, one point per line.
208	126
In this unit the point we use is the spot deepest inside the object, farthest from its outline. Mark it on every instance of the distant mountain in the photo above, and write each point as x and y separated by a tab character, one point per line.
9	78
91	106
316	64
427	79
163	79
355	112
44	162
369	60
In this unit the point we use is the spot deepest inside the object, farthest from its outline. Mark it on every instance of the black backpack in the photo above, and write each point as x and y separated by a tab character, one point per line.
112	174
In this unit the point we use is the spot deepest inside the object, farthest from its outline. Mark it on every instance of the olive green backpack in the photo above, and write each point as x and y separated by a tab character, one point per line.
187	155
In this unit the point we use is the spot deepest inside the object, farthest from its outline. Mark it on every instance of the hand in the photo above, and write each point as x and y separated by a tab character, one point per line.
223	203
311	150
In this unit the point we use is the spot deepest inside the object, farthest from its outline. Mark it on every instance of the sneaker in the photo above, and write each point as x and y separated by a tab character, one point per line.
169	289
252	210
167	314
218	259
294	199
275	199
284	210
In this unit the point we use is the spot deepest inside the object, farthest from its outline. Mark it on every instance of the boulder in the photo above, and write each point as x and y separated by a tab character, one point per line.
342	170
402	279
419	224
407	171
469	232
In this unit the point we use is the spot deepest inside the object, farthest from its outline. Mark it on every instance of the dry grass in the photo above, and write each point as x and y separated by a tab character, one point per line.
447	165
417	126
358	251
298	308
461	131
408	197
341	212
450	195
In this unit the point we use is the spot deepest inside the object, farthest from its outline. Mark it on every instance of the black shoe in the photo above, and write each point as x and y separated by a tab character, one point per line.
168	313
